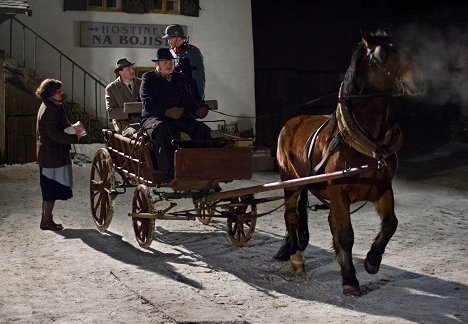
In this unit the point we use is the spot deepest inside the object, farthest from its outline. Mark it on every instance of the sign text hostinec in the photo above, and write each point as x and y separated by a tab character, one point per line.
99	34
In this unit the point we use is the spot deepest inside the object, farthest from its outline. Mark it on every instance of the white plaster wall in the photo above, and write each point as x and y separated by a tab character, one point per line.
223	32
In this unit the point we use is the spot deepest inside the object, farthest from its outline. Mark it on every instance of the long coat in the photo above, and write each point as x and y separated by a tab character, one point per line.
158	95
117	93
191	55
53	144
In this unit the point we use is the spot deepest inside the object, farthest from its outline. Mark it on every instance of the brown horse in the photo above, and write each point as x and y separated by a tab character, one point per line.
360	132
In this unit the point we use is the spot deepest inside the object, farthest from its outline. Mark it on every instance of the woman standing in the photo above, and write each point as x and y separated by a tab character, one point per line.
53	150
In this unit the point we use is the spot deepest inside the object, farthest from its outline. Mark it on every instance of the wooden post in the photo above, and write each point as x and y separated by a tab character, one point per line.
2	110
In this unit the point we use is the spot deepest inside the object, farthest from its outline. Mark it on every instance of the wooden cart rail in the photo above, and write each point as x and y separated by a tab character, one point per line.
132	157
196	169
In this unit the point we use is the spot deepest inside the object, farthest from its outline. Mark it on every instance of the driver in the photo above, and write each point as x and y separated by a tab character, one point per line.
168	109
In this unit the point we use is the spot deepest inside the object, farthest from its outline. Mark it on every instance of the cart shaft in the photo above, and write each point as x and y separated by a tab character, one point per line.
284	184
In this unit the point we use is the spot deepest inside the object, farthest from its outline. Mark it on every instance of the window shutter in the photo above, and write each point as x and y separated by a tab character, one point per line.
135	6
77	5
190	8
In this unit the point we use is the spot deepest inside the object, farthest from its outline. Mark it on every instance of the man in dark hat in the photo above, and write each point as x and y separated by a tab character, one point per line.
190	59
123	89
168	109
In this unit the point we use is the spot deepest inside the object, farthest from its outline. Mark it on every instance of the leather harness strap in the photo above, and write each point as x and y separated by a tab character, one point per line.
336	140
357	139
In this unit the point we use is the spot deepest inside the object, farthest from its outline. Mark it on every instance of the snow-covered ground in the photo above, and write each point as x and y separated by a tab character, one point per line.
193	274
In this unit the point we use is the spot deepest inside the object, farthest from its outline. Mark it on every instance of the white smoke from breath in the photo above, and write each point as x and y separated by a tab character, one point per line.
442	55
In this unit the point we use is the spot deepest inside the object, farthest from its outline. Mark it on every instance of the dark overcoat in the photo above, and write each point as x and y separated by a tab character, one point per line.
158	95
191	55
53	144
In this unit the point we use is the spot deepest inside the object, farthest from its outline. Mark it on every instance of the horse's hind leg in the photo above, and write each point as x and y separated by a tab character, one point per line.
389	223
297	236
343	241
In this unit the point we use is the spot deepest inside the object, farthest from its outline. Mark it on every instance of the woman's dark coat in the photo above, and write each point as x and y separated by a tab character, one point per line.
53	144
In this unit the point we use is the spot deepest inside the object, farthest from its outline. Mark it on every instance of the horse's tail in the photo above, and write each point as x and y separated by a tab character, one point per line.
289	247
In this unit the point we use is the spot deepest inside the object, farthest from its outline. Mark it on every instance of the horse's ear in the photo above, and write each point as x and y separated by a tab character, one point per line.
365	37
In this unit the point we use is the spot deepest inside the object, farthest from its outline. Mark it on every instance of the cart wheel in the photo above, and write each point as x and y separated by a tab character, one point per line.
100	186
241	220
205	214
143	227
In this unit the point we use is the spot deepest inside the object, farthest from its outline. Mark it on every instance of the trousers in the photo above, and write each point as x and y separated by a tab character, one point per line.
168	130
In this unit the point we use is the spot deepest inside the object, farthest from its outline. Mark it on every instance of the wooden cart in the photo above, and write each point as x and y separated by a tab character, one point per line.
199	172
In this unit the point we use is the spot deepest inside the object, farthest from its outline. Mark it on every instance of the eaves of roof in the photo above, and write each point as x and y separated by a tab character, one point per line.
14	7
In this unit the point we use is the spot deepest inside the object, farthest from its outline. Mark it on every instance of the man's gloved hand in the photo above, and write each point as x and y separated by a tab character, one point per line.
202	112
174	112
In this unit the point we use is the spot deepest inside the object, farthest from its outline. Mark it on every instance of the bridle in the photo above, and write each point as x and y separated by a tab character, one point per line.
391	74
349	128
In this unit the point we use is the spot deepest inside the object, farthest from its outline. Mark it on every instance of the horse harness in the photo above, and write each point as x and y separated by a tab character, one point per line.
351	134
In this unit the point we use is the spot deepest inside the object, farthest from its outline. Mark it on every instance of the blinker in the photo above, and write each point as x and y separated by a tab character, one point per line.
380	54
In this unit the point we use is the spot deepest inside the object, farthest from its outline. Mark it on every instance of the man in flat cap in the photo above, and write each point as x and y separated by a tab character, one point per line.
124	89
169	107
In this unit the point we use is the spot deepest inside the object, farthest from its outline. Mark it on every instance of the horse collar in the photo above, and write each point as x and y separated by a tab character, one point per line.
357	139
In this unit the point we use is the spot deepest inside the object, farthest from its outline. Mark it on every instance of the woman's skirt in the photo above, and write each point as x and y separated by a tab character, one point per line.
56	183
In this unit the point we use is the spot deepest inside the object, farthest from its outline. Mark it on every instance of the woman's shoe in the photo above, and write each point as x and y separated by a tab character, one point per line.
51	226
59	226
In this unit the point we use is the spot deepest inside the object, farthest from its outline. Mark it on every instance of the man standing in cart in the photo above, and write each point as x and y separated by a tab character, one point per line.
168	109
190	59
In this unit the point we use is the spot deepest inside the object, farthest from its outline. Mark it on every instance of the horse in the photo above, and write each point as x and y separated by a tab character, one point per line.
360	132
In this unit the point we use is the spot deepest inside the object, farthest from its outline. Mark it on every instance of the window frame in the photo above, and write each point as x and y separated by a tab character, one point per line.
189	8
164	10
117	8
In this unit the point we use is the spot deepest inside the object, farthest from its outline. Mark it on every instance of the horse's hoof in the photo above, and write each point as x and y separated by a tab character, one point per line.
297	261
371	269
352	291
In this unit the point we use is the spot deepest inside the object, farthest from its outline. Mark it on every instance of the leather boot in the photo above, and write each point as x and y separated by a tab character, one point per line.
47	222
45	217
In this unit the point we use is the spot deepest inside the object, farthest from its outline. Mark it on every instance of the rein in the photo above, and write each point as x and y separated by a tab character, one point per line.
371	95
305	104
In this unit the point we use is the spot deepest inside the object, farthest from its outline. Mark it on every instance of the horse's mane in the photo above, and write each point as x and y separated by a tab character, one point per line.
378	38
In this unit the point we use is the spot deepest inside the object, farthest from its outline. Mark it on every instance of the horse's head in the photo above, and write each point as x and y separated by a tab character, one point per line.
388	69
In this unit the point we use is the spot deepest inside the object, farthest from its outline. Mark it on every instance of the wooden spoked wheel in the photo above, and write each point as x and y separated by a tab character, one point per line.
205	214
143	227
241	220
100	186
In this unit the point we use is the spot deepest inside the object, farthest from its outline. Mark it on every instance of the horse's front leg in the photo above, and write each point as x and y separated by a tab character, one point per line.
385	207
343	241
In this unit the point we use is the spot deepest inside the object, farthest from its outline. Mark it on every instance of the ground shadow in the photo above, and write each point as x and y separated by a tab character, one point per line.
115	247
322	282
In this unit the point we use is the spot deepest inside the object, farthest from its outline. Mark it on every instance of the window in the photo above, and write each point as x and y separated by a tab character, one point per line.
107	5
174	7
140	70
165	6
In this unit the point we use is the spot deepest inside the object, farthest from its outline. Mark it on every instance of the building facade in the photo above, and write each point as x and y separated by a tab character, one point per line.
93	40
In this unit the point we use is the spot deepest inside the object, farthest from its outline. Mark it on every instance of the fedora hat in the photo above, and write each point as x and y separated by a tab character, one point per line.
164	54
122	63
